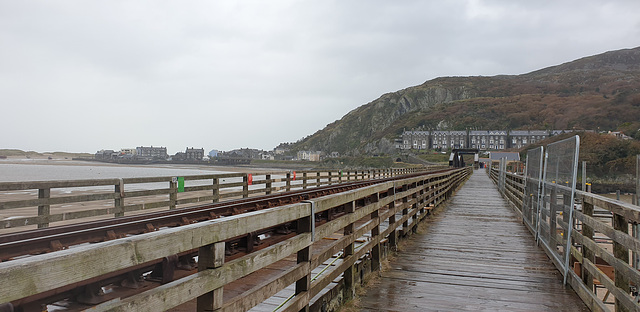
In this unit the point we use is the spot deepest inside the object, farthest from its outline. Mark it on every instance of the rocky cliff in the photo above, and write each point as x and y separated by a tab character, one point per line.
601	91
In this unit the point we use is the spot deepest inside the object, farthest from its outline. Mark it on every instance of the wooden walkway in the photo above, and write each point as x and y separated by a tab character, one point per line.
474	256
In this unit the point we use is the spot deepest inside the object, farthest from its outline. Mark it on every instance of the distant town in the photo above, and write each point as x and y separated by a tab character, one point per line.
484	140
146	154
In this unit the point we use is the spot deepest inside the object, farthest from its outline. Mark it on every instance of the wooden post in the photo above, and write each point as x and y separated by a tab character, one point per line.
622	253
304	180
118	203
587	253
638	181
304	225
584	176
329	182
288	182
216	190
405	211
318	179
245	185
393	236
268	186
414	218
173	193
566	205
348	176
349	273
210	257
44	211
376	255
553	203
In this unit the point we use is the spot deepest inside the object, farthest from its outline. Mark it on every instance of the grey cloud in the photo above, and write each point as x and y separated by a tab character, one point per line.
85	75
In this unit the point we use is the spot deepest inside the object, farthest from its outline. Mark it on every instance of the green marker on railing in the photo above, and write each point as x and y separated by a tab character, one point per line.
180	184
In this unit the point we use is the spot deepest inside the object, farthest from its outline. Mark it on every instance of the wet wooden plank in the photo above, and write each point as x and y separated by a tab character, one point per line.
475	256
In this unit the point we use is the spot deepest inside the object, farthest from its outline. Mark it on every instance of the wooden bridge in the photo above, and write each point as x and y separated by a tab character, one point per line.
475	256
290	251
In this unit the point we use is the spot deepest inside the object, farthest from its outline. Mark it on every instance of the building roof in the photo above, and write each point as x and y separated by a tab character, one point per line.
479	132
539	132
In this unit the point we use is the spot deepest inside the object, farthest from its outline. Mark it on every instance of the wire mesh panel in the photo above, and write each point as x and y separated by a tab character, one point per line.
556	218
533	185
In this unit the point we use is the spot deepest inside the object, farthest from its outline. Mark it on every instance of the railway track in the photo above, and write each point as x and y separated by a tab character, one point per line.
127	282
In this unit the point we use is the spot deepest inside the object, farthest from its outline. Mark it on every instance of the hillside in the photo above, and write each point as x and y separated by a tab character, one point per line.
15	153
596	92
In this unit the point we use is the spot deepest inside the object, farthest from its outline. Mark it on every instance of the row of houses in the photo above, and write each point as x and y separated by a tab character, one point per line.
480	139
150	153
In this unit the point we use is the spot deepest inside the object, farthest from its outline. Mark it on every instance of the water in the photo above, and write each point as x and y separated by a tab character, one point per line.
43	170
22	170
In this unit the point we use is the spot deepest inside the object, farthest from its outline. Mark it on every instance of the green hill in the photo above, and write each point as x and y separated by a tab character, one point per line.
597	92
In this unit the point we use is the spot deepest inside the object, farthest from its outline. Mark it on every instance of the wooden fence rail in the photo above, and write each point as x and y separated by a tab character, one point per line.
603	253
120	196
399	205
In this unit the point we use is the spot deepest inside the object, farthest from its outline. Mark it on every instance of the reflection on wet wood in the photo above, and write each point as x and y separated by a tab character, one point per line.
475	256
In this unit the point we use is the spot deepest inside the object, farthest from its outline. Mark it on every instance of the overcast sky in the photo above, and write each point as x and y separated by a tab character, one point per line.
81	76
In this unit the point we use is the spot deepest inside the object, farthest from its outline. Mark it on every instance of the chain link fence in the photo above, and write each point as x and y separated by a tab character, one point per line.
533	188
558	192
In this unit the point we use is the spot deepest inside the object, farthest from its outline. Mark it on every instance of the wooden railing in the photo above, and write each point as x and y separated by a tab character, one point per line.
603	253
383	211
57	201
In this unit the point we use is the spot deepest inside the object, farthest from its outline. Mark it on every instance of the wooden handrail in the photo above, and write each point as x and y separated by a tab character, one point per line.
377	203
135	194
